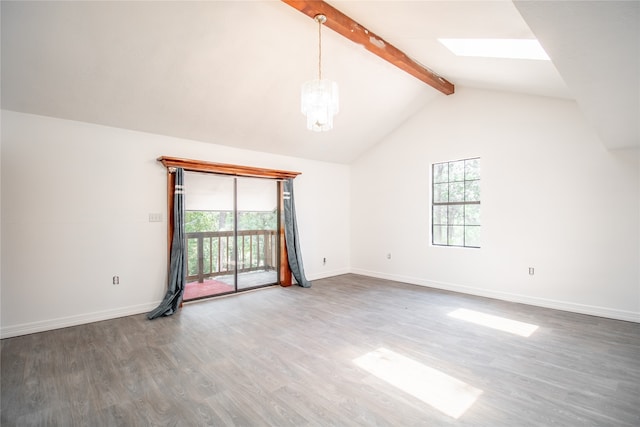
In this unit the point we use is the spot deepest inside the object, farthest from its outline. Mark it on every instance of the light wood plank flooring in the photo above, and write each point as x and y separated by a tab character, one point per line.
285	357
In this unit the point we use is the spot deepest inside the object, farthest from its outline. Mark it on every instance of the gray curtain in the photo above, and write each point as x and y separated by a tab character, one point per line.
173	297
291	236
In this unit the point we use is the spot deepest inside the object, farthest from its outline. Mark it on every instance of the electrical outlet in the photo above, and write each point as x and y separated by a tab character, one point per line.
116	280
389	256
531	271
324	261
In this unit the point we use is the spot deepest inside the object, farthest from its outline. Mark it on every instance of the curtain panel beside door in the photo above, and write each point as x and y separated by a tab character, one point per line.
173	297
294	254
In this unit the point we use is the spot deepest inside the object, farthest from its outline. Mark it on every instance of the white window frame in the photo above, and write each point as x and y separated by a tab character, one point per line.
468	224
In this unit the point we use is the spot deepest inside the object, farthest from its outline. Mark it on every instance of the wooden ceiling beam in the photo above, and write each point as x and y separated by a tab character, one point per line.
347	27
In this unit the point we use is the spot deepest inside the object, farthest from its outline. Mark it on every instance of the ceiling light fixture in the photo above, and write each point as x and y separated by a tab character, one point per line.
320	96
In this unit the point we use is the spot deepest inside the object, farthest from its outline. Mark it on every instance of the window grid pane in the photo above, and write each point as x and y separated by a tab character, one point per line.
472	215
472	236
471	169
472	191
456	203
440	215
440	235
456	171
456	191
441	193
440	172
456	235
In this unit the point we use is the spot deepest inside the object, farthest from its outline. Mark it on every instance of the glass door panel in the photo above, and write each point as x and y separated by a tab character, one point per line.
209	233
257	243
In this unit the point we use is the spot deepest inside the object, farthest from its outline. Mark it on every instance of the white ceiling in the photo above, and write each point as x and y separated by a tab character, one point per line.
596	47
229	72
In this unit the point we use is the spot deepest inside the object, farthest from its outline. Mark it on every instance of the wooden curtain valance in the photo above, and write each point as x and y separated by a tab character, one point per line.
225	169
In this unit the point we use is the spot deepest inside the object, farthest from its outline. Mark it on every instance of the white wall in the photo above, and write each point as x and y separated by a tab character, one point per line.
553	198
76	199
0	226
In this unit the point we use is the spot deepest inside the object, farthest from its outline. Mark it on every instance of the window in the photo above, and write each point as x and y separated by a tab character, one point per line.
455	206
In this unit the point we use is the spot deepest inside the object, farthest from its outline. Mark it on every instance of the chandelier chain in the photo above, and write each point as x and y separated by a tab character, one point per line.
319	49
319	96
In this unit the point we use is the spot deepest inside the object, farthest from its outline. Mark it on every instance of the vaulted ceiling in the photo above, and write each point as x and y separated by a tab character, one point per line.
229	72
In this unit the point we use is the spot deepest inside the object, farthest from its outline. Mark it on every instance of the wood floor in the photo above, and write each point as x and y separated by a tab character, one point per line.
285	357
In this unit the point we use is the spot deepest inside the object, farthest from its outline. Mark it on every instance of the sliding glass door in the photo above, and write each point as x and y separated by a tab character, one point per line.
231	234
257	242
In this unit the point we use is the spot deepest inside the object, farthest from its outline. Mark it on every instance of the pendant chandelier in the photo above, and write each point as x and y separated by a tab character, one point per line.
320	96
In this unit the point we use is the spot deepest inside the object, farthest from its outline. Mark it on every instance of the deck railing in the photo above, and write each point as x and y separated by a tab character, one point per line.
211	253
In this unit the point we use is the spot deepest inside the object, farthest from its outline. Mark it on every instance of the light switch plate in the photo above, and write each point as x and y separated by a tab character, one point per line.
155	217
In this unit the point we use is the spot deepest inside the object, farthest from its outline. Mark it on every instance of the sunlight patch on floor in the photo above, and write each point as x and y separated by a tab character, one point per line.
445	393
495	322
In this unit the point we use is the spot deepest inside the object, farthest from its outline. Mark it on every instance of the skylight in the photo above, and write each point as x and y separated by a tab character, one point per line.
496	48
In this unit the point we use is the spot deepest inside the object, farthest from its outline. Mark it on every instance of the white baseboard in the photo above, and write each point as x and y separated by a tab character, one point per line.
592	310
65	322
325	274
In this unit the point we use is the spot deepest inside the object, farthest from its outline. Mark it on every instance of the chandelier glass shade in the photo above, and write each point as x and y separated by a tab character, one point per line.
320	103
320	99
